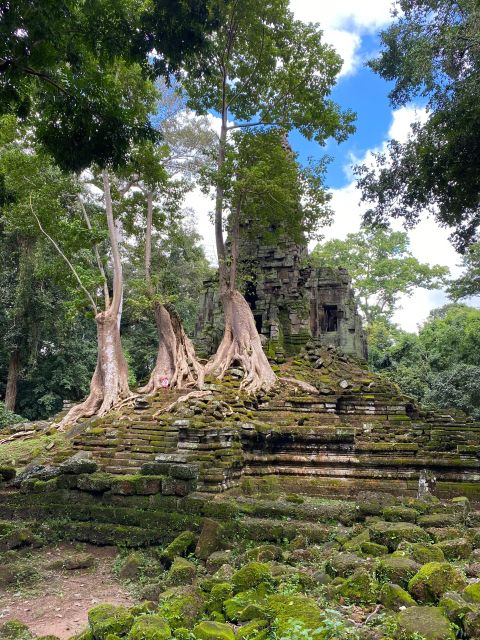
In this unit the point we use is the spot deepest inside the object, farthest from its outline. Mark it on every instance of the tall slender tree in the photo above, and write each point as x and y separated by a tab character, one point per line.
265	70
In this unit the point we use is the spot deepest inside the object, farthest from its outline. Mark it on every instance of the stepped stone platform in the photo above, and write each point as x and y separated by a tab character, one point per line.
349	432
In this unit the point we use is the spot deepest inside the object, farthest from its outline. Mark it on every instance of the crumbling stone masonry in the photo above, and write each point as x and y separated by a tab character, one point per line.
292	302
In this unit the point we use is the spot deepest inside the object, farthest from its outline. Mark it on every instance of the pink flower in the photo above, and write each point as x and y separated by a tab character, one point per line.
164	382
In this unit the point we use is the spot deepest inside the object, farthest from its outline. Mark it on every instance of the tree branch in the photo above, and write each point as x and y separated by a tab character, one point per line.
97	255
72	268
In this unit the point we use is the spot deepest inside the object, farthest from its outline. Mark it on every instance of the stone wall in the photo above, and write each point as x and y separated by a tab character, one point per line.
291	301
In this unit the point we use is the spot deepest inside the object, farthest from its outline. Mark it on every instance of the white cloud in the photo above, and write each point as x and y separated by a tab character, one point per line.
369	15
344	22
429	242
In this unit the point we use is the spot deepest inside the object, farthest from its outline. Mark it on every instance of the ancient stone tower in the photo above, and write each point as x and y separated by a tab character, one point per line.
292	302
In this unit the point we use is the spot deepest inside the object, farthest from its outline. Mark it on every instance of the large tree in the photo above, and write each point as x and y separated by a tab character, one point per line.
382	268
431	52
440	365
468	284
59	62
265	69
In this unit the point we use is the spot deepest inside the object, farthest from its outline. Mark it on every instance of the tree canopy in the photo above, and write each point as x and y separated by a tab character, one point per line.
382	268
71	65
431	52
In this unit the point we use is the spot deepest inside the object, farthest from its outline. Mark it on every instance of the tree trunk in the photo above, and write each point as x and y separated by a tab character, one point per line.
241	346
12	380
109	384
177	365
110	380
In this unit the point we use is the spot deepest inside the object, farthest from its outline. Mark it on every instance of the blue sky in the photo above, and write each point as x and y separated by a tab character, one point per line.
352	27
367	94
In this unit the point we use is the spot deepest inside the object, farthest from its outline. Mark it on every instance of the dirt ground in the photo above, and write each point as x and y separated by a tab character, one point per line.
57	603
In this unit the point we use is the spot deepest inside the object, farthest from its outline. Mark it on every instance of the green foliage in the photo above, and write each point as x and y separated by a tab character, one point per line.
440	365
431	51
8	417
381	266
468	284
68	64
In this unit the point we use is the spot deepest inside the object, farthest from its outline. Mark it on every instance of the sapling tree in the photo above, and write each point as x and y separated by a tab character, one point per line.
266	69
268	195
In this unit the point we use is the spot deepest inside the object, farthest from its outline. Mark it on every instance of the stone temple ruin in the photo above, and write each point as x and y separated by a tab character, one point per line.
330	428
292	303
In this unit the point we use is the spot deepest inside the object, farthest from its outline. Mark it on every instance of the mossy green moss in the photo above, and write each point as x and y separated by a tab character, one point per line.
181	606
396	569
208	630
472	592
250	576
181	572
434	579
360	588
105	619
150	627
392	596
391	534
427	622
285	609
178	547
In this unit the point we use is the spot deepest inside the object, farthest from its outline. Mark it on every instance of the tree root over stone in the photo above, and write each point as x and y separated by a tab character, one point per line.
241	345
177	366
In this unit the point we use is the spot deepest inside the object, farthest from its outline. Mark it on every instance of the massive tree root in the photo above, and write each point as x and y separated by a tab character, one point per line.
177	365
109	383
241	345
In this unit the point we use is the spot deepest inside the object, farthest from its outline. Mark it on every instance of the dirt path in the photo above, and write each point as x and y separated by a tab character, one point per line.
58	603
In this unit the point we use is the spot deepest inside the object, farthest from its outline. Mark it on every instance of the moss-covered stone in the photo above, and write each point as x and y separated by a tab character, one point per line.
355	543
246	605
391	534
392	596
253	630
398	513
98	482
471	624
439	520
298	608
105	619
217	559
181	606
208	630
181	572
130	569
250	576
219	593
345	564
15	630
264	553
421	553
150	627
396	569
454	607
472	592
180	546
373	550
210	540
457	549
360	588
433	580
427	622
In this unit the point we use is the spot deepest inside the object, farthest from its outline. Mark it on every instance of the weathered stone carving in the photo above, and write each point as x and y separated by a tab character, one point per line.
291	301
